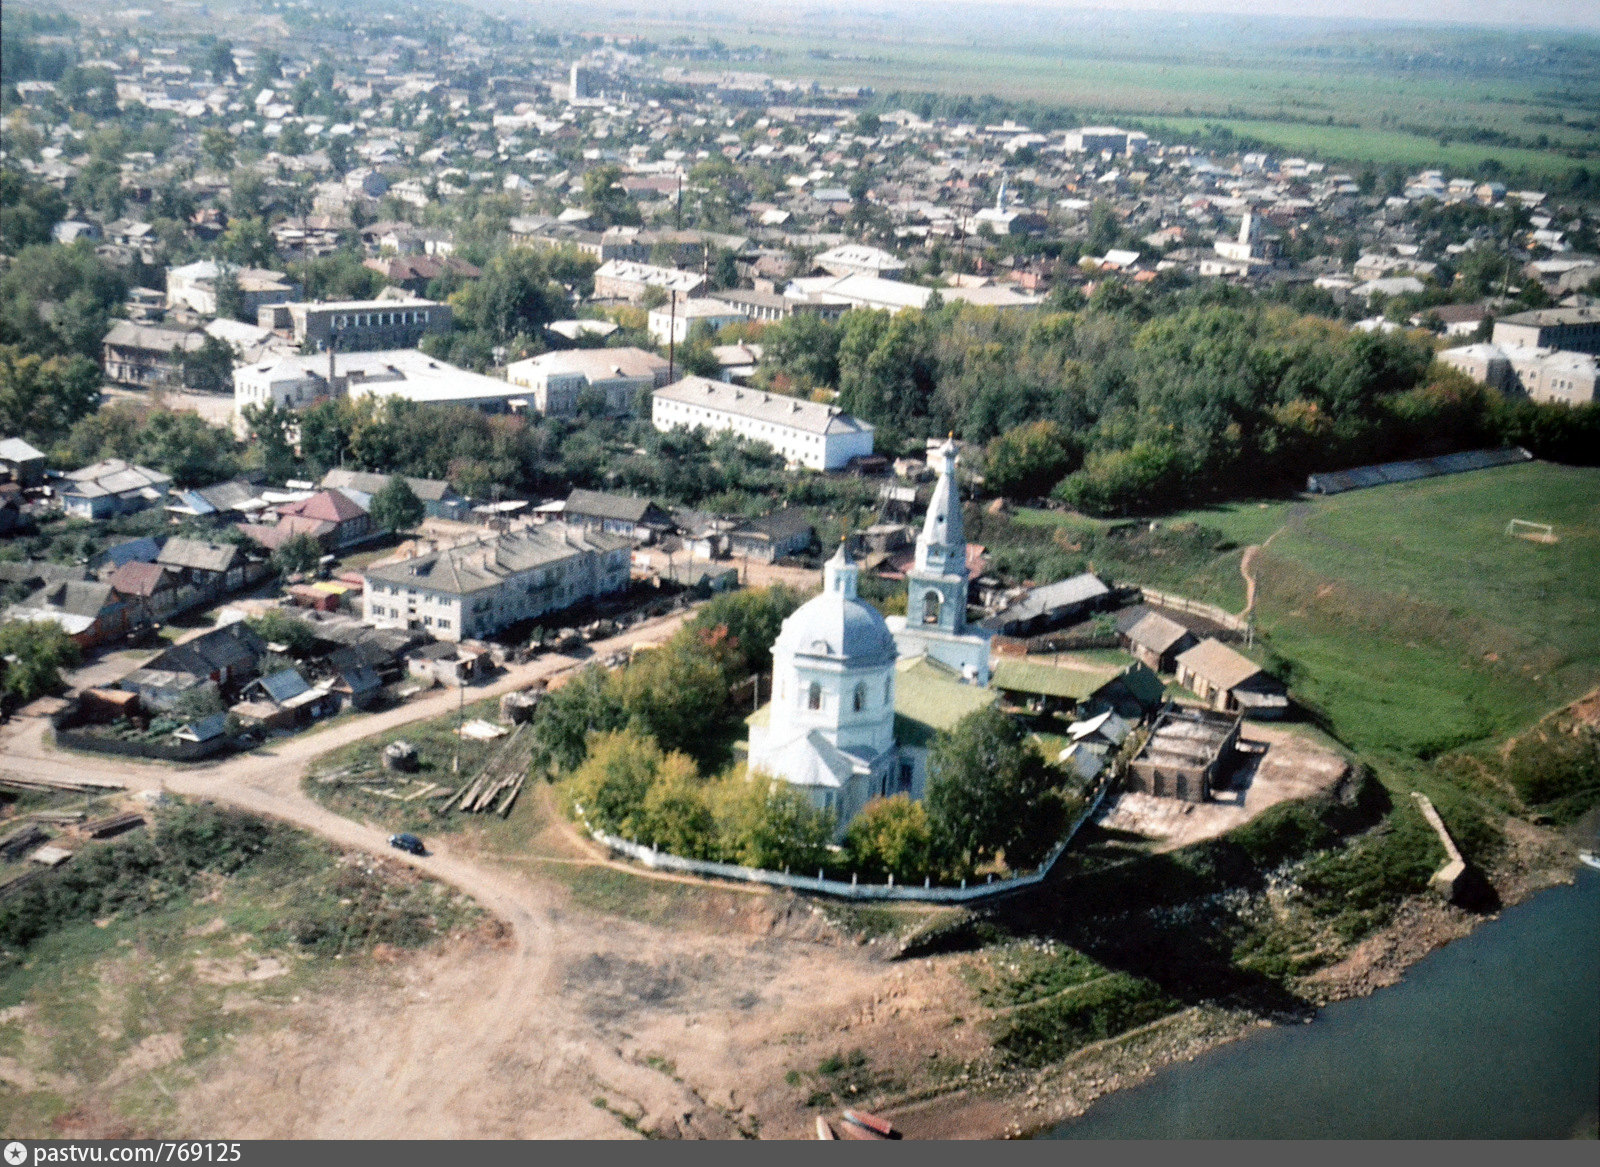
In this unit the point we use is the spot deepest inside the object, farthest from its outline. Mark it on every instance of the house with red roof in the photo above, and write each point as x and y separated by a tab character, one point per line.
348	522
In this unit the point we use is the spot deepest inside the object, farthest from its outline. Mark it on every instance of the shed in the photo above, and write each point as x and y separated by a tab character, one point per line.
1157	640
1050	606
1229	681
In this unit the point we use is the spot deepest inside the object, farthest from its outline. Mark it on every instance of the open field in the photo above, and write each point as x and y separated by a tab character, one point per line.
1338	92
1415	624
114	1010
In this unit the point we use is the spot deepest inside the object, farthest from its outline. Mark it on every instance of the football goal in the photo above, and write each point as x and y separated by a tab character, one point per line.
1533	532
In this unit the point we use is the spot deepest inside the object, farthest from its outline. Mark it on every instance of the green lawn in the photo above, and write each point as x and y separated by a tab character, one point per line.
1416	624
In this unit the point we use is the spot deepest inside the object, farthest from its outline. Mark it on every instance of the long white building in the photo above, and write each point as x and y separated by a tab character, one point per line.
298	382
820	437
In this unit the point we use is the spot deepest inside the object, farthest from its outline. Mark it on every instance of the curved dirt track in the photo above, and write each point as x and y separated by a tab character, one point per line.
684	1031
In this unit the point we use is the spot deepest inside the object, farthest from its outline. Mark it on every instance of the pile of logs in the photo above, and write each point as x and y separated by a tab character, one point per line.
499	782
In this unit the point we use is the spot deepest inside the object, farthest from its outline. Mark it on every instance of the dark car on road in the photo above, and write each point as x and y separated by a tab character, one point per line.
407	842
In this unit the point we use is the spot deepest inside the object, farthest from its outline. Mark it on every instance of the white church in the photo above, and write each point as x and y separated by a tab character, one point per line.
855	697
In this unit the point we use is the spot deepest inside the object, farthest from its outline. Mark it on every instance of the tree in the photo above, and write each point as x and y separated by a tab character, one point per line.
891	836
676	815
34	652
57	300
271	439
566	717
209	368
276	626
1027	462
217	145
297	555
396	507
28	211
767	824
609	787
219	61
990	791
41	398
676	694
606	199
247	242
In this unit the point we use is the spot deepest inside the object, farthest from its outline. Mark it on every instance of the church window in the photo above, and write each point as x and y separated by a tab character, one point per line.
814	696
859	701
931	604
887	683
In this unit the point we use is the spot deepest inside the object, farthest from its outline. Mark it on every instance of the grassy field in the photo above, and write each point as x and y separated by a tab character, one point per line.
1415	624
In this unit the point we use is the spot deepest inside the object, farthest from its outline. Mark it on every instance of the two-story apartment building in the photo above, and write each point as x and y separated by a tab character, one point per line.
614	377
479	588
358	324
820	437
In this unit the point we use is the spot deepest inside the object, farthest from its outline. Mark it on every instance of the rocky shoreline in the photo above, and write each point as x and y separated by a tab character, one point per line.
1026	1106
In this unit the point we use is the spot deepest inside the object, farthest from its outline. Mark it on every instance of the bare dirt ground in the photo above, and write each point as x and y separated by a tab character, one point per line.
1280	766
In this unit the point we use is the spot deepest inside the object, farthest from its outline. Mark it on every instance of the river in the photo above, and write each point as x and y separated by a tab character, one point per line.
1495	1036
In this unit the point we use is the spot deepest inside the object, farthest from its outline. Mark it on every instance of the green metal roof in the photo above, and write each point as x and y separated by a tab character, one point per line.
930	697
1020	676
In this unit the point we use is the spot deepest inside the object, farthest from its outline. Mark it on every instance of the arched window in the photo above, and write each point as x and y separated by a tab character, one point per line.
888	694
859	701
814	696
931	603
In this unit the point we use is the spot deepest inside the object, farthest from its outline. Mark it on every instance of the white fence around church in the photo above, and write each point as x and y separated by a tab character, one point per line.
966	893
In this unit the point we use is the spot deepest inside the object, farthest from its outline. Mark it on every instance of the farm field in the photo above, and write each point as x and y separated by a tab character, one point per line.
1417	625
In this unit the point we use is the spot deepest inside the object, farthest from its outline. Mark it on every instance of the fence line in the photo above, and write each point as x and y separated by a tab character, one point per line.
663	860
1194	607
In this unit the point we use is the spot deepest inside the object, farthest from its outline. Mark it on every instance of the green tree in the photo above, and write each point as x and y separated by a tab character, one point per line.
891	836
606	199
297	555
1027	462
276	626
28	211
610	785
565	718
41	398
396	507
219	61
247	242
271	439
676	814
209	368
767	824
990	792
676	694
57	300
35	653
217	145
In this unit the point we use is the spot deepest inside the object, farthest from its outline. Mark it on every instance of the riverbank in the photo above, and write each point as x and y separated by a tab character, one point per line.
1021	1105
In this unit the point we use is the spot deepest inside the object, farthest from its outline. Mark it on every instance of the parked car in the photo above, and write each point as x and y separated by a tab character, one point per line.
407	842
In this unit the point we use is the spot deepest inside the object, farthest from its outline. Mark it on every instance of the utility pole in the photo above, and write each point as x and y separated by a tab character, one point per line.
672	339
461	700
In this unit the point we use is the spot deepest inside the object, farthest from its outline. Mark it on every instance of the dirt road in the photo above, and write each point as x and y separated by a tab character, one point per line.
684	1031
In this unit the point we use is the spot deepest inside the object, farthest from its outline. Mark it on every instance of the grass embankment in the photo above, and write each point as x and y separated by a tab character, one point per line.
124	972
1423	637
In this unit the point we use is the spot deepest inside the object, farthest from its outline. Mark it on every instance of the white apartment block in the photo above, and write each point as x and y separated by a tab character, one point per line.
477	589
674	322
557	381
819	437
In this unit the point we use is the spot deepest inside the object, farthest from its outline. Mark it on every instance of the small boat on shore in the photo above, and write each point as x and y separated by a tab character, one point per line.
824	1131
869	1124
1589	859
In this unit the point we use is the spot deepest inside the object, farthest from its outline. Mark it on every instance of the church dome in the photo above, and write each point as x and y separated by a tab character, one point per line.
837	624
